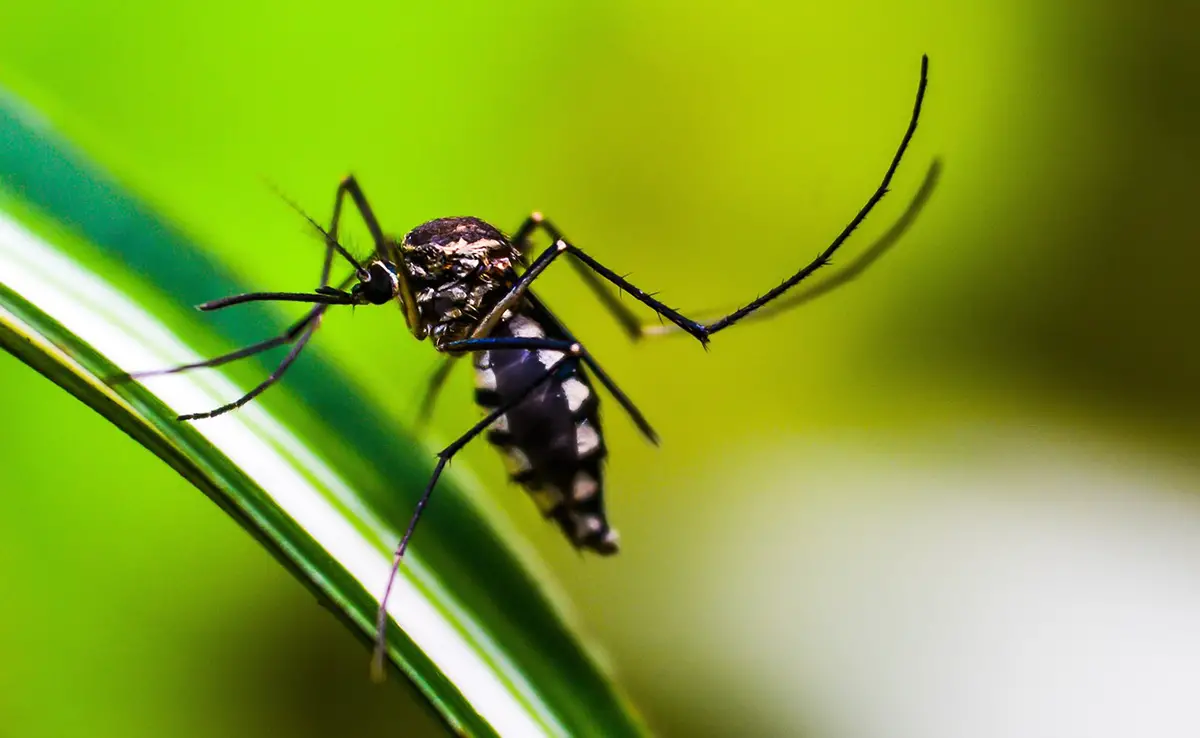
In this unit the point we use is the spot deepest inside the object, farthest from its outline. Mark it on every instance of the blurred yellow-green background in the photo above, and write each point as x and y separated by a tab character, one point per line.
954	498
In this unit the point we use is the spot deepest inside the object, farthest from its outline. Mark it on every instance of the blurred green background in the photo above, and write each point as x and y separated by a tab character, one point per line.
953	498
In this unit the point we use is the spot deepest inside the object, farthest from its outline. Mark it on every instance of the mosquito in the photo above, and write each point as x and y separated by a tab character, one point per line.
466	286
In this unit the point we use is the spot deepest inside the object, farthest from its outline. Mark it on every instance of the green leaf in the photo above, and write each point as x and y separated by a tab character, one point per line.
95	283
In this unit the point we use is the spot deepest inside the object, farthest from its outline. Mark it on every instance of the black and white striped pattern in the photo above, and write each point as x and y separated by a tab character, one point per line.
552	441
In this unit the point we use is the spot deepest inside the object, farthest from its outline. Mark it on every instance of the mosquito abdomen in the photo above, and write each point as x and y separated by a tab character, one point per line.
552	441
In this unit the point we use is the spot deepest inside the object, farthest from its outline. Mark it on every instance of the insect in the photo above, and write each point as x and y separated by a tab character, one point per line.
466	287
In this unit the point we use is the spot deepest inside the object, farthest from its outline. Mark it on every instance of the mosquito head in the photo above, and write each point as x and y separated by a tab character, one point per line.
379	284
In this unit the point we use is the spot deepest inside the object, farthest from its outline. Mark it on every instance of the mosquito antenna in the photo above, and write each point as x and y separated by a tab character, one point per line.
329	239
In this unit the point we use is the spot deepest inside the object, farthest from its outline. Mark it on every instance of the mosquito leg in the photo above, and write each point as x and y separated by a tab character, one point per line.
506	342
634	413
436	382
302	330
823	258
301	342
257	348
622	399
571	347
545	259
701	331
300	333
329	295
846	274
444	457
349	186
625	317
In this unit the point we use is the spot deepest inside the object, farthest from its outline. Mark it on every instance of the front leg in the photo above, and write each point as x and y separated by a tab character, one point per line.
349	186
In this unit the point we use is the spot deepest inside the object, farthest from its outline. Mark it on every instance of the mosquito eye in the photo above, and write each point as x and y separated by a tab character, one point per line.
380	286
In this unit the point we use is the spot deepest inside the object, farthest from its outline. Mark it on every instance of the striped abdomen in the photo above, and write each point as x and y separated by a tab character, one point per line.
552	440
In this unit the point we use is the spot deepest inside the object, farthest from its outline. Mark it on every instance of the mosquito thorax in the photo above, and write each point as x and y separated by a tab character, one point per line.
453	248
379	285
458	268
